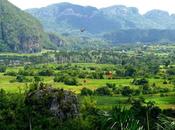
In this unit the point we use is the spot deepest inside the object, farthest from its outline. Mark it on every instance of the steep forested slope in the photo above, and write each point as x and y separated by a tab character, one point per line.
19	31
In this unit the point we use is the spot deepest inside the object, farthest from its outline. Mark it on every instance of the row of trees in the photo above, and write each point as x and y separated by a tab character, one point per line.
112	89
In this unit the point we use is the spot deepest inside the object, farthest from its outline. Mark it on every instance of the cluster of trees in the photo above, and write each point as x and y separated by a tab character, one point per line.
66	79
119	56
16	60
24	79
111	89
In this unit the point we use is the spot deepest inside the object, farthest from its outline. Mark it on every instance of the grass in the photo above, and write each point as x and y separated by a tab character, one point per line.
107	102
104	102
91	83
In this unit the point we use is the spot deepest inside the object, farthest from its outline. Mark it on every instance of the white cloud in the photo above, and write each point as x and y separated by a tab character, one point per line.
143	5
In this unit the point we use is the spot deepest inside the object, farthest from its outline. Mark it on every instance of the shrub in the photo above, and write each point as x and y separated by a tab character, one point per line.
26	72
11	73
2	69
127	91
70	81
59	78
171	71
165	82
96	75
21	78
111	85
46	72
86	92
147	89
142	81
82	75
130	71
38	79
103	91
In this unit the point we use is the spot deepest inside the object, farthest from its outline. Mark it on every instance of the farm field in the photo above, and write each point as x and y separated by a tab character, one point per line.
103	102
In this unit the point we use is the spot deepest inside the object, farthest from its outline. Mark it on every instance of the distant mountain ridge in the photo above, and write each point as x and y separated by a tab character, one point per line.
67	16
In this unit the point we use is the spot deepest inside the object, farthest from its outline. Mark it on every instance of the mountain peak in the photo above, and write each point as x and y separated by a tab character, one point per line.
120	10
71	17
157	13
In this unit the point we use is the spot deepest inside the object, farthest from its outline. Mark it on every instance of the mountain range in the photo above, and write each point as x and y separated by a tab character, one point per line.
65	17
65	24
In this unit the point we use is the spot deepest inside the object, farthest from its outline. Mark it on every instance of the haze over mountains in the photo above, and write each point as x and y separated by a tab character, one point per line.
119	24
59	17
21	32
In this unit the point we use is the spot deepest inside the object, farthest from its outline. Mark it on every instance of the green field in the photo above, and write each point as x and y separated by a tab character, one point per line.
135	56
107	102
104	102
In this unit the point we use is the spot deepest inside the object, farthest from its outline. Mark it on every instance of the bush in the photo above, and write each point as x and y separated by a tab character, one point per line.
59	78
38	79
86	92
147	89
2	69
70	81
11	73
26	72
130	71
111	85
165	82
104	91
82	75
21	78
142	81
96	75
127	91
46	72
171	71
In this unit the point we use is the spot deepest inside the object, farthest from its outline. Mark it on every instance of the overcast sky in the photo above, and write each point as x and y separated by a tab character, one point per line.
143	5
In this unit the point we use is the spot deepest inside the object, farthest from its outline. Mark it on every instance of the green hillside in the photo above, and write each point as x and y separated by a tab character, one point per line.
19	31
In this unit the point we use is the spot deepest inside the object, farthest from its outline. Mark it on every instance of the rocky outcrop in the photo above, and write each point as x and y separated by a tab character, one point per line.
57	102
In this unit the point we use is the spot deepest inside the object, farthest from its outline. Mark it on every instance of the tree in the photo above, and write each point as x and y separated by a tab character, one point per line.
2	69
103	91
46	72
86	92
71	81
127	91
142	81
130	71
119	119
167	63
166	123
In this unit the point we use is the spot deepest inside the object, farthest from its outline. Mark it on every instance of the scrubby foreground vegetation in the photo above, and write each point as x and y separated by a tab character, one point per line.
120	88
43	108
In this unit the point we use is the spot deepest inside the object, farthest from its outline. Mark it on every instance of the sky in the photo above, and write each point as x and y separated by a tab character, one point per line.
142	5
